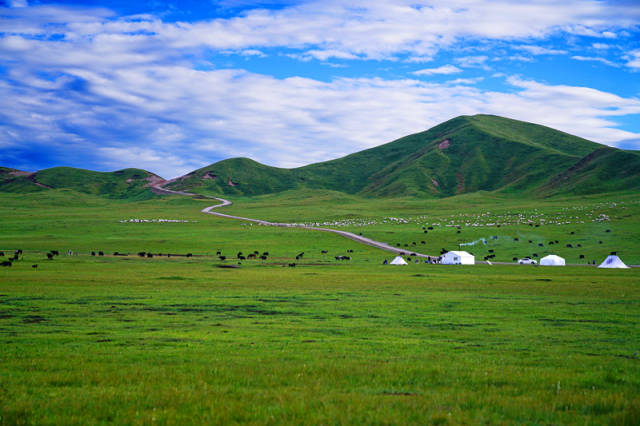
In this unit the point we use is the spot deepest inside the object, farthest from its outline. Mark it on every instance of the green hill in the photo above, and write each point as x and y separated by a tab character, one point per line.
236	176
17	181
462	155
127	183
465	154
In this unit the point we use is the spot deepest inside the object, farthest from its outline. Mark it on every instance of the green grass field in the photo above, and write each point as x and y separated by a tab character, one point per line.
90	340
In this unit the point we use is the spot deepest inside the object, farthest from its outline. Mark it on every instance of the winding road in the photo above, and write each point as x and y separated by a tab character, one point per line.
159	189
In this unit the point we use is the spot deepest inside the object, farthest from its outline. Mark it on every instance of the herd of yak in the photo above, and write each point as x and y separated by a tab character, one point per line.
239	256
264	256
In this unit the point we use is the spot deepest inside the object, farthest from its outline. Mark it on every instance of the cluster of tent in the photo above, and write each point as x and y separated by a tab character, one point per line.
449	258
464	258
612	261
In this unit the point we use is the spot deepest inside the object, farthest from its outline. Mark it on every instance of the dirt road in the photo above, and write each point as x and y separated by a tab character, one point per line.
158	189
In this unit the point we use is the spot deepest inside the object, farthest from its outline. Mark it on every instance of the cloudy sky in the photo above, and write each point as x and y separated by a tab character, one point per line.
171	86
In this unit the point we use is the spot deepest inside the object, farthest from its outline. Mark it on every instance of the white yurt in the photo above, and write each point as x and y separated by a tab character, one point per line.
398	261
457	258
552	260
612	261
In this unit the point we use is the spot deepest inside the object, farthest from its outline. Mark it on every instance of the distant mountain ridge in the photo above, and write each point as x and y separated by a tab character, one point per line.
465	154
124	184
462	155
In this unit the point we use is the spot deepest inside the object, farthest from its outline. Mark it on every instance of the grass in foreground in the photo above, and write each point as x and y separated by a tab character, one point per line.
87	340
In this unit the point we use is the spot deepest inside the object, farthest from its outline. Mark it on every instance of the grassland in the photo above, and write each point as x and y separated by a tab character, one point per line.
593	226
88	339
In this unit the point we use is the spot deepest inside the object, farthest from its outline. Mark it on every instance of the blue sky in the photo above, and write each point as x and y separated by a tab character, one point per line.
172	86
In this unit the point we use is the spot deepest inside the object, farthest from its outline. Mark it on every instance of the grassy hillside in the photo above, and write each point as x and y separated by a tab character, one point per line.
463	155
605	169
126	183
17	181
236	176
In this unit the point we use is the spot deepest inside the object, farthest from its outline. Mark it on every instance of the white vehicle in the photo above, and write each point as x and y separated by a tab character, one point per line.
527	261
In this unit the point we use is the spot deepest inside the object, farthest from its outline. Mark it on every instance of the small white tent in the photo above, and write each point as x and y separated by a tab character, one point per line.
612	261
457	258
552	260
398	261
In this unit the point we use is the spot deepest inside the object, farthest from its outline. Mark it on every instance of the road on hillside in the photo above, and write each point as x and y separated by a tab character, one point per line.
158	189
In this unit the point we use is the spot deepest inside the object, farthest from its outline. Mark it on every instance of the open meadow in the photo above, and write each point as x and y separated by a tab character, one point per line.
129	339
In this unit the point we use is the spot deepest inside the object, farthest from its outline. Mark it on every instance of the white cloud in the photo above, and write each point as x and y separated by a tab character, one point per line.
594	59
444	69
417	29
18	3
520	58
324	55
252	52
171	119
633	59
465	81
473	61
158	162
539	50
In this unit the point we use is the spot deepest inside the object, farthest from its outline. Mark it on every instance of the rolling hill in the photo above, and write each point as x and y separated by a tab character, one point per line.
465	154
127	183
